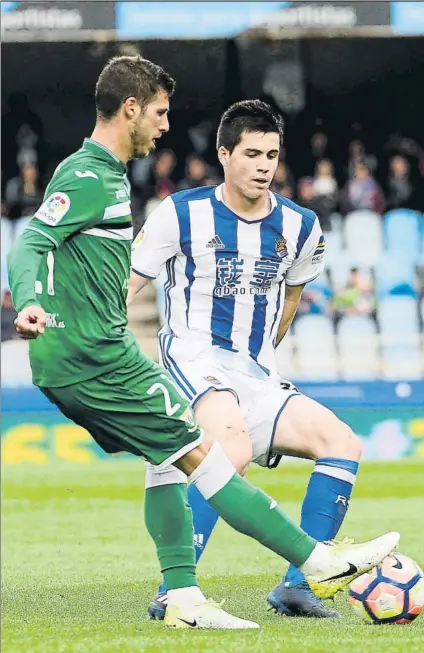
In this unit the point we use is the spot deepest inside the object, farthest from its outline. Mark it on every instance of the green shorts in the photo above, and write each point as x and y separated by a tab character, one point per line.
136	409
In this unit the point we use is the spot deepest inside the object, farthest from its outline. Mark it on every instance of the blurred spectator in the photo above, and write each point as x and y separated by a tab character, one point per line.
357	297
195	174
362	192
164	188
315	301
200	136
164	166
211	181
358	155
23	195
22	129
319	145
306	197
8	316
399	188
325	184
283	182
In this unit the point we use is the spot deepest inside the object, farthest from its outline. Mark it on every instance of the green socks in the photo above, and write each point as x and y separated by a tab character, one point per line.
254	513
170	524
243	506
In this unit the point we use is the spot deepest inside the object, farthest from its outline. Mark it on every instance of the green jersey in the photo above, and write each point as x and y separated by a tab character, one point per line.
82	281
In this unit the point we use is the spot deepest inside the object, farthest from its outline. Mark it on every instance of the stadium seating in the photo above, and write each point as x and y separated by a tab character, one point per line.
15	368
334	245
358	348
316	353
395	275
403	233
363	237
398	315
400	340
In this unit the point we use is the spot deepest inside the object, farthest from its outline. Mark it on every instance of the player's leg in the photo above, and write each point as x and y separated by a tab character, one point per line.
218	413
124	414
328	568
171	437
307	429
252	512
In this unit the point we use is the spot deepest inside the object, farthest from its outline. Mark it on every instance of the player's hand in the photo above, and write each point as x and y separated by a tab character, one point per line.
31	322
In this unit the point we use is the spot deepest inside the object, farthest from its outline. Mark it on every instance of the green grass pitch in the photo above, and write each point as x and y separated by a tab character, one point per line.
79	568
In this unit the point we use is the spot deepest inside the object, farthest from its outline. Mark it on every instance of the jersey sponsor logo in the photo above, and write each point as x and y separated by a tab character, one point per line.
215	243
53	321
53	209
86	173
317	259
229	275
281	247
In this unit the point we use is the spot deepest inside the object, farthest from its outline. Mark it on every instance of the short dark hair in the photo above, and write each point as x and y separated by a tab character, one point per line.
129	76
247	116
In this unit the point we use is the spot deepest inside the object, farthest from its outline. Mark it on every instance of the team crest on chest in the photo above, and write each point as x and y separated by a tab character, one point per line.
281	247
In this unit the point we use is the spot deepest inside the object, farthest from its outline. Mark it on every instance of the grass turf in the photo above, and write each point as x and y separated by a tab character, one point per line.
79	568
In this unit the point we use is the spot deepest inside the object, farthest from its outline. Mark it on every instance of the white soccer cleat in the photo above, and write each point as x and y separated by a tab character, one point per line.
204	615
333	565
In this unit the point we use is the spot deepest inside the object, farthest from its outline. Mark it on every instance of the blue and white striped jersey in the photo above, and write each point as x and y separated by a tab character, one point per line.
225	275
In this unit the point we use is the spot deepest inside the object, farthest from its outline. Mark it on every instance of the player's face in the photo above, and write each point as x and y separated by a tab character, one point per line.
150	125
252	164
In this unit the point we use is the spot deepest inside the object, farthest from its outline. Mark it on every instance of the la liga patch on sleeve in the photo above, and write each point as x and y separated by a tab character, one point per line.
53	209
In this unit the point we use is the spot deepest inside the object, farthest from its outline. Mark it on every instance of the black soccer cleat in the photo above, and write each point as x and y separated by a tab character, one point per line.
157	608
299	601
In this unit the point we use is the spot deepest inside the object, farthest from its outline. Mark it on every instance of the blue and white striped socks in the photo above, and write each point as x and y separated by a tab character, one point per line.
326	503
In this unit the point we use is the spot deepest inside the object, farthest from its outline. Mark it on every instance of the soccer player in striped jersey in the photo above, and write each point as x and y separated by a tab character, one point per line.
237	258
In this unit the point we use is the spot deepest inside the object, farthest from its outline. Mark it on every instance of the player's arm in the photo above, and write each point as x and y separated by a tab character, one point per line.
135	284
307	266
157	242
64	212
291	304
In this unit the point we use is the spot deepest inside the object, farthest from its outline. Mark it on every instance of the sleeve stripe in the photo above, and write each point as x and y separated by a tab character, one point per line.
305	232
141	274
39	231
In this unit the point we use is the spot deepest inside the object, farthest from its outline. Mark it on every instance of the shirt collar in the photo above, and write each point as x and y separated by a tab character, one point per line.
104	153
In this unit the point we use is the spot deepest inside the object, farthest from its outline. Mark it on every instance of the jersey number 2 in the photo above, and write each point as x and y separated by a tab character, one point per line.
169	408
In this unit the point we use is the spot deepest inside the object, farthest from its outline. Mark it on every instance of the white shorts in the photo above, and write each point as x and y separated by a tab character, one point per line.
261	398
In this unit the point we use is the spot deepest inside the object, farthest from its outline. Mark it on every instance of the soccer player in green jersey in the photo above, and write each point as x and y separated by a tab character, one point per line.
68	273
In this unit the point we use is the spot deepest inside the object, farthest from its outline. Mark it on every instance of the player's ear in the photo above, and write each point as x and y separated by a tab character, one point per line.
131	108
223	156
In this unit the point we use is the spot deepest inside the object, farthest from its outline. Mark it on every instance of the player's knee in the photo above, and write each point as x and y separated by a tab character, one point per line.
238	446
339	441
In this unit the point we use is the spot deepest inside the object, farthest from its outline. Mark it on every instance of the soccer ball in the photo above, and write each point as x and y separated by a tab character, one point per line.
390	594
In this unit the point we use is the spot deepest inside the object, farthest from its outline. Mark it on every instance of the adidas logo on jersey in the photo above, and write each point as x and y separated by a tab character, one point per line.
215	243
